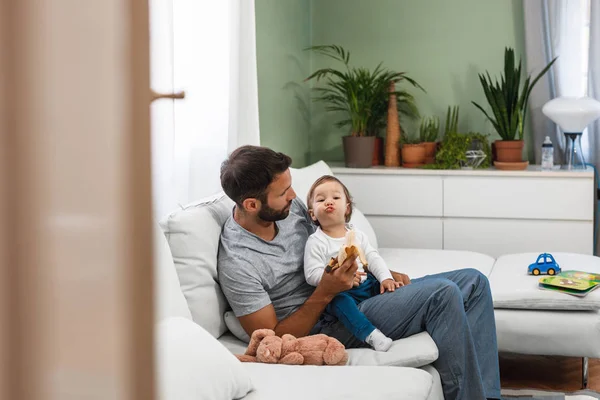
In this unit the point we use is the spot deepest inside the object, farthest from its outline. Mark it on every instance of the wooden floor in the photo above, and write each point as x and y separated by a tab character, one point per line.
546	373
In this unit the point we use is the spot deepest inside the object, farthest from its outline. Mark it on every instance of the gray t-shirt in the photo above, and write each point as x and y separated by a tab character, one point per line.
254	273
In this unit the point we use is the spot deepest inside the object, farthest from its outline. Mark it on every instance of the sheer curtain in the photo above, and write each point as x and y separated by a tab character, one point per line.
557	28
593	83
207	49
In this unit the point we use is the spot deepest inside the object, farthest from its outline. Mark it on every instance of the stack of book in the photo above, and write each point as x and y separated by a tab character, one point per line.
577	283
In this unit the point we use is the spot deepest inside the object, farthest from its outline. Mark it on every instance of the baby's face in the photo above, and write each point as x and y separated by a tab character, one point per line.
329	205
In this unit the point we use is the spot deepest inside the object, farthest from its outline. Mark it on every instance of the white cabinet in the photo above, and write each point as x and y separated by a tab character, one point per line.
497	236
408	232
519	197
396	194
488	211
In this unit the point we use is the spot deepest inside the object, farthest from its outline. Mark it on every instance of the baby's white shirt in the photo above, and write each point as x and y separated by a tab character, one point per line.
320	247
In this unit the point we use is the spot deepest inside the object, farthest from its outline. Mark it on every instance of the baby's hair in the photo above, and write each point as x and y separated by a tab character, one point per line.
320	181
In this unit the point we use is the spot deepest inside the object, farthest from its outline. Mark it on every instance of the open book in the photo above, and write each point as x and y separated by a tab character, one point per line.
577	283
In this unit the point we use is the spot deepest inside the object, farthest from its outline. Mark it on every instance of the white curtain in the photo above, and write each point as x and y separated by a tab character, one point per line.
556	28
206	48
593	83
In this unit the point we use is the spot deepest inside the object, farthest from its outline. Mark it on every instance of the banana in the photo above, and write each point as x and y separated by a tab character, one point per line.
350	248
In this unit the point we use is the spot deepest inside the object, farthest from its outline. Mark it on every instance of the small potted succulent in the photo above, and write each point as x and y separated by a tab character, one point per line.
413	151
428	134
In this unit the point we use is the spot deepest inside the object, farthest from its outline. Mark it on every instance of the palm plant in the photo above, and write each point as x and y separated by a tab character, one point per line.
507	99
361	94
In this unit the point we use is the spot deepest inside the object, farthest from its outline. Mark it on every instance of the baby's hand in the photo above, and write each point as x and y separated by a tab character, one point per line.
358	278
389	285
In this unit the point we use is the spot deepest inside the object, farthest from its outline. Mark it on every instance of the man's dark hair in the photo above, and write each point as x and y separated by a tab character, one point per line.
249	170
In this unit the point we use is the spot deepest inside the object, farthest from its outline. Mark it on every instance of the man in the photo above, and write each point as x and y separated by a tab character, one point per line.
261	273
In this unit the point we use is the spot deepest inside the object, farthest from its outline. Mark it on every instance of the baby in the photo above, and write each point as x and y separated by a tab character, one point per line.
330	206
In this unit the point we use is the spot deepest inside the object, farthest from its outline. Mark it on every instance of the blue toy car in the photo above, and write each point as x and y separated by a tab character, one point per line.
545	264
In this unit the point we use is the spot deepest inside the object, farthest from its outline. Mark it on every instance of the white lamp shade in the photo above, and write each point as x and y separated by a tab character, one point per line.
572	114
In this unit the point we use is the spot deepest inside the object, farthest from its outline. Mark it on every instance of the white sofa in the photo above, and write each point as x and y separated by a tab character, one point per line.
188	291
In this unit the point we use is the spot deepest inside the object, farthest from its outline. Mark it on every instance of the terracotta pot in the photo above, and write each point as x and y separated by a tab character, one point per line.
509	150
378	151
430	148
413	154
358	151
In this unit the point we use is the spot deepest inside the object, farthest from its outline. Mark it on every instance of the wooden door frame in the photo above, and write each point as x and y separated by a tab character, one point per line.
36	36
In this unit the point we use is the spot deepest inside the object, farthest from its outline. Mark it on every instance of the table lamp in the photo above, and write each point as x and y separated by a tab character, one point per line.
572	115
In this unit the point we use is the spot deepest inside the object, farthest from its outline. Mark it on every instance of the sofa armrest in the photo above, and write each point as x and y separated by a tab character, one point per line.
414	351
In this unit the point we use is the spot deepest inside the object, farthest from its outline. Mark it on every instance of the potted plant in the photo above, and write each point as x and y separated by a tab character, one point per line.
359	93
455	149
507	99
428	133
413	151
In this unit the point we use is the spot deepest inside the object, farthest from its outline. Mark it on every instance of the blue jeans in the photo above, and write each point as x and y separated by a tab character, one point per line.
344	307
456	309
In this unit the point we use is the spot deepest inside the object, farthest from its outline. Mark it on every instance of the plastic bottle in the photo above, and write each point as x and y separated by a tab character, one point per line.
547	155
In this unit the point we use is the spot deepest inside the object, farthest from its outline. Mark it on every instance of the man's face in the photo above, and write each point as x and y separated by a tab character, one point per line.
278	199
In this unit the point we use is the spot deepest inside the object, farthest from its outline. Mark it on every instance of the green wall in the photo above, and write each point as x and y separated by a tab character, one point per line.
282	32
441	44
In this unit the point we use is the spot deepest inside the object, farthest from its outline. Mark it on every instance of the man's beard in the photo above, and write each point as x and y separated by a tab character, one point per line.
269	214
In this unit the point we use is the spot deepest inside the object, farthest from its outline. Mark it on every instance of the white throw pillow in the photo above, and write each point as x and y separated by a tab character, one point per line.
303	178
194	365
360	222
168	299
193	234
234	326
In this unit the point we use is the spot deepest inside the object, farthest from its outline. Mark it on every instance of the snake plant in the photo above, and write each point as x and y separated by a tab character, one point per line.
507	98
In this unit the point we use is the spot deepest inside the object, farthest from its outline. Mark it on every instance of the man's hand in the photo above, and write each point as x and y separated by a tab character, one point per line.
358	278
389	285
400	278
340	279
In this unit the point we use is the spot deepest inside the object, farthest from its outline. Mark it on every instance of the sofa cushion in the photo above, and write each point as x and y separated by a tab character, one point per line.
437	393
233	344
550	333
418	262
169	300
193	235
194	365
274	382
512	287
414	351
